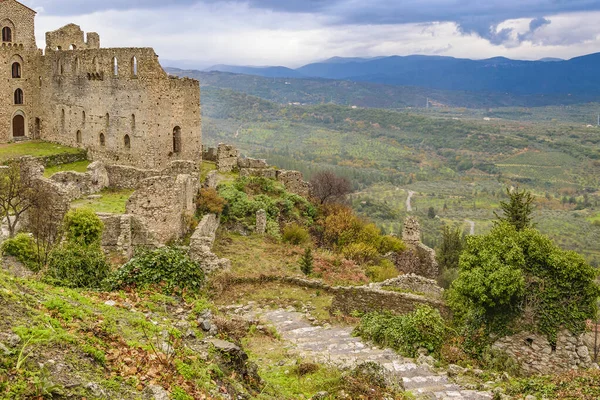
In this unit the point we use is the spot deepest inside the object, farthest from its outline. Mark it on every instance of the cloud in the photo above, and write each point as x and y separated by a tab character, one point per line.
534	25
294	32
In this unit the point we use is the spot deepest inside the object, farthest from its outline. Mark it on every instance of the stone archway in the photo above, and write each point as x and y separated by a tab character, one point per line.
18	126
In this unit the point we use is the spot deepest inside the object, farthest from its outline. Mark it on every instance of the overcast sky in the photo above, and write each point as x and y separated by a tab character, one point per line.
296	32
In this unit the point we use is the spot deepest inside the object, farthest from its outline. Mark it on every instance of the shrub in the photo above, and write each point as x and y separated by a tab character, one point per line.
22	247
295	234
209	202
361	253
73	264
389	244
273	229
507	268
168	267
336	271
383	271
83	226
423	328
306	262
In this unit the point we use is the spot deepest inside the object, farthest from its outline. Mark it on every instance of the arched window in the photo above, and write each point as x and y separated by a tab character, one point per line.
177	140
16	70
6	34
72	47
78	136
18	96
115	66
132	122
62	118
134	66
127	142
83	118
102	140
107	120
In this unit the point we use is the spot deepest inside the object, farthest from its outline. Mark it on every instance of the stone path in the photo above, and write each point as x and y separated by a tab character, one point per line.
336	346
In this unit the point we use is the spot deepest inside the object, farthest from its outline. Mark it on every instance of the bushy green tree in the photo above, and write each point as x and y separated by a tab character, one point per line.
83	226
509	273
448	254
518	210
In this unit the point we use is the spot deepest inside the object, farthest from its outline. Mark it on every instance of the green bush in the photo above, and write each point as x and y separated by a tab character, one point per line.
167	267
389	244
361	253
75	265
424	328
83	226
295	234
23	248
501	271
383	271
307	262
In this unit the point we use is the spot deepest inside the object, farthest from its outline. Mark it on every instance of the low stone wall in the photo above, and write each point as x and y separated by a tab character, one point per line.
362	299
201	244
536	355
59	159
252	163
262	173
413	283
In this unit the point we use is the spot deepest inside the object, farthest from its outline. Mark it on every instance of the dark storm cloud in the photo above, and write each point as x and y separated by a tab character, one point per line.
471	16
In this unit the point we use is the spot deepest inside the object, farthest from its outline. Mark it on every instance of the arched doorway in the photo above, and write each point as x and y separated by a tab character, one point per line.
18	126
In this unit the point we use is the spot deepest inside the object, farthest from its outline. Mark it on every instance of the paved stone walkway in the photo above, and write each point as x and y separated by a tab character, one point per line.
337	346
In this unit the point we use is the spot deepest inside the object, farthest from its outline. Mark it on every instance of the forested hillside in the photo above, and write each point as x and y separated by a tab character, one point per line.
460	166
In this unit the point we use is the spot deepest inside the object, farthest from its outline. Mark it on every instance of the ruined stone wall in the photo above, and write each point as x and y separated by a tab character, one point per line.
163	204
413	283
294	182
201	244
227	157
349	300
536	355
123	233
417	259
117	103
22	49
130	114
71	37
126	177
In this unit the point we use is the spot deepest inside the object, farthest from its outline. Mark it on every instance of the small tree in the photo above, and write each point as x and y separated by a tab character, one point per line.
14	195
517	211
448	255
431	213
328	187
307	262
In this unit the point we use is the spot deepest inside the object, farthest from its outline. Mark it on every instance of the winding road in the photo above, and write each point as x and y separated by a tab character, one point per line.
408	199
472	223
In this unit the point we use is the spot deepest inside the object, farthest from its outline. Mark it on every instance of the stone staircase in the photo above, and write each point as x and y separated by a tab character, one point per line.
336	345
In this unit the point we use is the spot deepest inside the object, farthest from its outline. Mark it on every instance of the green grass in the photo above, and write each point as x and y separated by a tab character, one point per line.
34	149
111	202
79	166
205	168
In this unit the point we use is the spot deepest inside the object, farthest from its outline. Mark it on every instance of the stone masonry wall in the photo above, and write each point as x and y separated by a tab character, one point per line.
116	103
123	233
536	355
413	283
348	300
417	259
201	244
162	204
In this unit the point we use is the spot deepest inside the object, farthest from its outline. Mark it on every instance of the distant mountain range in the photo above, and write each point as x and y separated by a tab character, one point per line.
577	76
